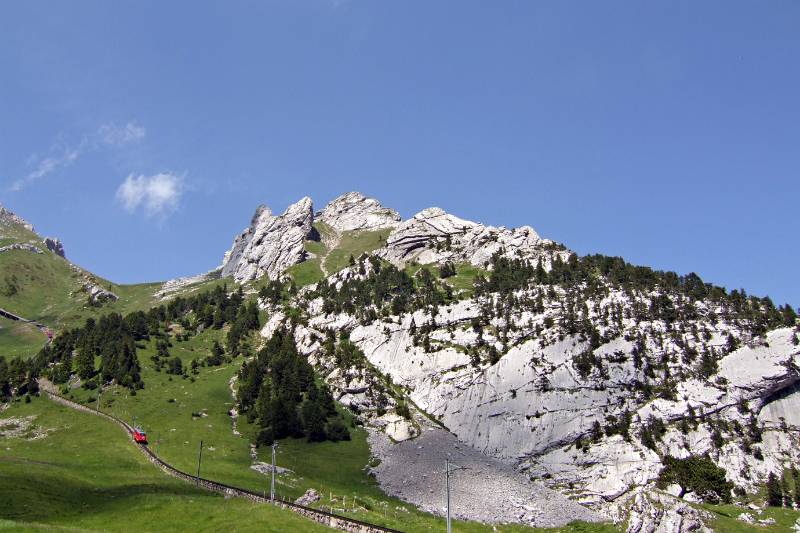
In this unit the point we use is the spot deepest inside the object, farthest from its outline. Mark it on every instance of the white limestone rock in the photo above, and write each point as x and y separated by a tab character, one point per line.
170	287
98	293
354	211
747	518
655	512
91	286
8	218
434	236
21	246
310	496
396	427
271	244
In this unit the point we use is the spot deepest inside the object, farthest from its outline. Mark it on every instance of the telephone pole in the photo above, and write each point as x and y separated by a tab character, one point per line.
199	459
272	486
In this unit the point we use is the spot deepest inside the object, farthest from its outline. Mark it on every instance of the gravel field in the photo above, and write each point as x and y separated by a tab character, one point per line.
485	489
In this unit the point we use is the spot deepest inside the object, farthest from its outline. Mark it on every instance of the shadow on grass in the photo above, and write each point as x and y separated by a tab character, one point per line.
41	497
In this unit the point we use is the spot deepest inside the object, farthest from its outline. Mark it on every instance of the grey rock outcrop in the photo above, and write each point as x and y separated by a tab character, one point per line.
271	244
92	287
310	496
55	246
21	246
171	287
8	218
434	236
656	512
98	294
354	211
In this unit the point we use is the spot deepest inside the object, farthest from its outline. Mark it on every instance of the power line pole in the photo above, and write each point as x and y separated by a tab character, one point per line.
447	484
447	472
272	486
199	458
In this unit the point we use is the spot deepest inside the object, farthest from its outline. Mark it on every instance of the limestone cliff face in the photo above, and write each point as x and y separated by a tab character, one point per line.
536	406
354	211
271	244
533	407
434	236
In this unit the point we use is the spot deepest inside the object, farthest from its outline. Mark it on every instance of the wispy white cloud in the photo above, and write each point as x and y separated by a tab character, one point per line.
58	159
157	195
61	155
114	135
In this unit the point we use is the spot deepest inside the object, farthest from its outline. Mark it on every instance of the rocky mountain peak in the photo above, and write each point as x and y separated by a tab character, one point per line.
435	236
354	211
271	243
8	218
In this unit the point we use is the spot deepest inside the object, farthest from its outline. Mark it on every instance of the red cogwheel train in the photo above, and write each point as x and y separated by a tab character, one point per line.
139	435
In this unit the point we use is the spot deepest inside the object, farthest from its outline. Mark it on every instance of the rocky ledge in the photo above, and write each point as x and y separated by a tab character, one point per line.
55	246
434	236
354	211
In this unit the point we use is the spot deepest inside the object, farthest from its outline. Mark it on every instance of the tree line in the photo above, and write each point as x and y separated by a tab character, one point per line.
113	340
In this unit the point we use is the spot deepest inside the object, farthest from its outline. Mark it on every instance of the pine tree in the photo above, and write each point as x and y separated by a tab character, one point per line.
85	364
774	491
219	319
597	431
313	415
787	494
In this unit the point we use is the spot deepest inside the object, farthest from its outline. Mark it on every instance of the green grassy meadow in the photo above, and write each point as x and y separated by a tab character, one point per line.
19	338
354	243
726	519
86	475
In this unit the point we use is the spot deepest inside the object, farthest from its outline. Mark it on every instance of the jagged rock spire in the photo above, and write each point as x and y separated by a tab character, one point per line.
271	244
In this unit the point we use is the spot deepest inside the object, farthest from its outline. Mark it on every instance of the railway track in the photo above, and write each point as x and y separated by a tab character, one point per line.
38	325
335	521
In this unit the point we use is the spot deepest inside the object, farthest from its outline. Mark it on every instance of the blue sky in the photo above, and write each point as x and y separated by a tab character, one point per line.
144	134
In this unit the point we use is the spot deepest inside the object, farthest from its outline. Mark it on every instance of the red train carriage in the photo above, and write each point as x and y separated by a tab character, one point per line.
139	435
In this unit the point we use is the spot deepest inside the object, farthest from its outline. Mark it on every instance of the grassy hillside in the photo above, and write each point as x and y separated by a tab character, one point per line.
354	243
47	288
86	474
323	260
19	338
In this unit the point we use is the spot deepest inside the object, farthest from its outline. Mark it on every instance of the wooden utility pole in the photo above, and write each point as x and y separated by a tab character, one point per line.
272	486
199	459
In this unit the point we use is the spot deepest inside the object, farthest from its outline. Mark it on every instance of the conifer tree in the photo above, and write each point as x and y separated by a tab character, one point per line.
774	491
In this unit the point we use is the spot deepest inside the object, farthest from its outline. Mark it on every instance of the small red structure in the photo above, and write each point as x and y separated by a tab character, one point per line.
139	435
